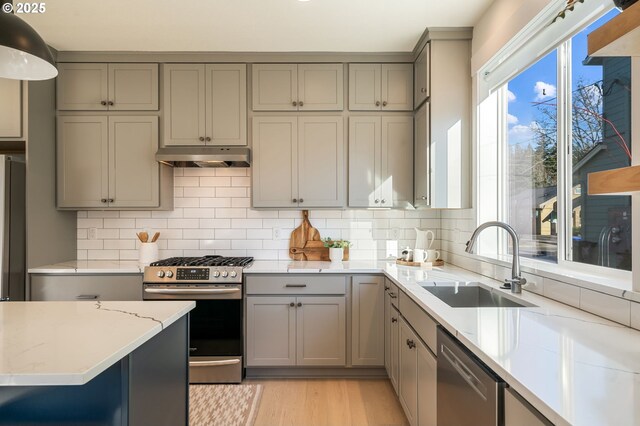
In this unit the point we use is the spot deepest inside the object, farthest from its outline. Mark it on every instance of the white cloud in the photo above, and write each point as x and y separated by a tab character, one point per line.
511	97
544	91
520	129
512	119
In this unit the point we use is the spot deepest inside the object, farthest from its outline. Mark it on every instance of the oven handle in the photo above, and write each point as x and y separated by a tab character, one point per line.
213	363
192	290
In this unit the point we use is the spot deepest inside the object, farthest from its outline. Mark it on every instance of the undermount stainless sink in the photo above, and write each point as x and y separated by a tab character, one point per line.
472	295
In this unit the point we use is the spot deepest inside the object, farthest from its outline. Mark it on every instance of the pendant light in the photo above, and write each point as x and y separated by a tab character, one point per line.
23	53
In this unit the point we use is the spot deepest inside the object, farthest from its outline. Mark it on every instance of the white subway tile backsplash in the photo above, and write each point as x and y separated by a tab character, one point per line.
215	202
90	223
231	234
231	213
215	223
198	234
199	213
119	223
215	181
198	192
231	192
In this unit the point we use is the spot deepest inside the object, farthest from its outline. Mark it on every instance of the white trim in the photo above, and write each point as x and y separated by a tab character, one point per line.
635	160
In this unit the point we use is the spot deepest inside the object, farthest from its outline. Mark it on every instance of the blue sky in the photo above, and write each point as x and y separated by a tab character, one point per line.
539	82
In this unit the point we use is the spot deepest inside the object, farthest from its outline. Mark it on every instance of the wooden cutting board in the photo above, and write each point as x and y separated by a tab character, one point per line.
300	236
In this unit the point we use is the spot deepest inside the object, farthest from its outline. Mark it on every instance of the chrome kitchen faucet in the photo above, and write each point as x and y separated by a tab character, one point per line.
517	281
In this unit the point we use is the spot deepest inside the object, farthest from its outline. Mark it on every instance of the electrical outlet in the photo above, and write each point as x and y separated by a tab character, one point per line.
395	234
93	233
277	233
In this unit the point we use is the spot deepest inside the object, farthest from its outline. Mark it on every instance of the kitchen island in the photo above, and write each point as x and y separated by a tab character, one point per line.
94	363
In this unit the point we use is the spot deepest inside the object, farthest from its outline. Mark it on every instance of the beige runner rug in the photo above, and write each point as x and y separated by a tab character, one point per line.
223	405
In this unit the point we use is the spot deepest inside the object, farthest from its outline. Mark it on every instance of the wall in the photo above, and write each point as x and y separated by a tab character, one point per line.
212	215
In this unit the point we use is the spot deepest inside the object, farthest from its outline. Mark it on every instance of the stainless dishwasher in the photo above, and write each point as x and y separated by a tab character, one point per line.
469	394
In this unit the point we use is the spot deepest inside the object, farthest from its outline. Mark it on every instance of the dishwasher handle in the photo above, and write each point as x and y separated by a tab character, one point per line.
464	371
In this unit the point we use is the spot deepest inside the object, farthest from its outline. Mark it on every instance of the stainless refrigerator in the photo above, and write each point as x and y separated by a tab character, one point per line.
12	227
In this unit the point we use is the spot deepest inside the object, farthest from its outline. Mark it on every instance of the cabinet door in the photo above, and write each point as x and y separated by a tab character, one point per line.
427	386
421	76
408	381
226	104
133	87
365	87
421	157
275	162
394	336
397	87
321	335
10	108
387	328
134	174
271	331
184	104
518	412
367	320
320	87
365	142
275	87
396	187
82	87
321	161
82	161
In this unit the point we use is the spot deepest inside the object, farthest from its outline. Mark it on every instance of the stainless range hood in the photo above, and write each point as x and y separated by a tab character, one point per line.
203	156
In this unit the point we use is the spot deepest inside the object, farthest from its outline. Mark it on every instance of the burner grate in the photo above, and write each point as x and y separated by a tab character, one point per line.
205	261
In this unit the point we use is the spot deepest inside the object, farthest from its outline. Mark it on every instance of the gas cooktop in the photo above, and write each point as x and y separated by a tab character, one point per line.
205	261
196	270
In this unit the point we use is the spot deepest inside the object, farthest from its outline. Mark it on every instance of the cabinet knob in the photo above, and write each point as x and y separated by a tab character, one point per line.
301	103
424	197
295	200
103	200
201	138
377	103
384	201
301	200
423	90
208	139
394	319
111	200
384	103
294	103
292	304
411	344
103	103
110	102
299	304
376	201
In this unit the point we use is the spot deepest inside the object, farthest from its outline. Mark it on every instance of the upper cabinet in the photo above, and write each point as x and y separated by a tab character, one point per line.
107	87
301	87
381	161
443	122
10	109
421	76
205	104
381	87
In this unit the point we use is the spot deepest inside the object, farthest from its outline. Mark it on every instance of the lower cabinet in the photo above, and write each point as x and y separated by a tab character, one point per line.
86	287
367	320
518	412
427	386
289	331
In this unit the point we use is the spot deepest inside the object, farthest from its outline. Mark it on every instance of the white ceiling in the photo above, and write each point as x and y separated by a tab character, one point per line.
248	25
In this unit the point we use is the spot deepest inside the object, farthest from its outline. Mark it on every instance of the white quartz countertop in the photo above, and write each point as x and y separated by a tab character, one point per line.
576	368
91	267
70	343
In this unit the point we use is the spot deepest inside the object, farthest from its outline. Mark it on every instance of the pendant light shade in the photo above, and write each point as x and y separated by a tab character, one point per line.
23	53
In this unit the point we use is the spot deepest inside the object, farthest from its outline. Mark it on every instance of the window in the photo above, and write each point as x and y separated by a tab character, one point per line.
563	117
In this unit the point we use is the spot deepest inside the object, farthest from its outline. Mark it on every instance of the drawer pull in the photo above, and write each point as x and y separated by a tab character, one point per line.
411	344
394	319
295	285
87	297
393	295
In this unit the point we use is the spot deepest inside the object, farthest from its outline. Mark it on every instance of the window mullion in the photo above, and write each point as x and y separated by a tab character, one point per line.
564	153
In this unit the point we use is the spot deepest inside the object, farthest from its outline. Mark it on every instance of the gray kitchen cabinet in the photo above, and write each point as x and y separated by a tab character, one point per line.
421	163
387	327
10	109
297	87
381	87
107	162
394	353
107	87
518	412
205	104
298	161
408	380
271	331
86	287
367	320
289	330
427	385
380	161
321	331
421	76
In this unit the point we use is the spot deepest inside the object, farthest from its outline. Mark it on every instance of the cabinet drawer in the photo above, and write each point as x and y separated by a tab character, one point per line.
421	322
86	287
296	284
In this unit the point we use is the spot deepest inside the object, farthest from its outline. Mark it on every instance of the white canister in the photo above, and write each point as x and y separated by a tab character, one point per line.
336	254
148	253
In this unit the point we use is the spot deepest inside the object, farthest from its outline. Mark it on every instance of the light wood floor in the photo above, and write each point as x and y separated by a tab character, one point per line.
330	402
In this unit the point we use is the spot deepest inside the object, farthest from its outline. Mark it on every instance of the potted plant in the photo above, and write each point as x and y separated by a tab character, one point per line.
336	248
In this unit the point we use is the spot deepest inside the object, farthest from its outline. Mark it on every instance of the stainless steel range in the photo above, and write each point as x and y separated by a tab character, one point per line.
216	323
